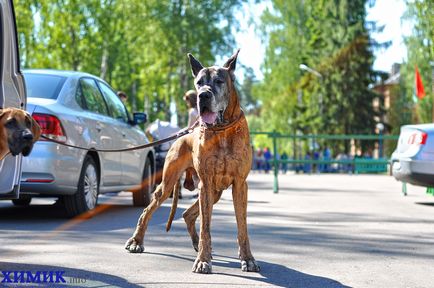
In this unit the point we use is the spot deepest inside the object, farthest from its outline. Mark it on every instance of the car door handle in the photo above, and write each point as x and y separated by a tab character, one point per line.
124	135
98	128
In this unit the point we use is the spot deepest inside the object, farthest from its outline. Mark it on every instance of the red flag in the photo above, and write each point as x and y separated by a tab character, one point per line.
420	91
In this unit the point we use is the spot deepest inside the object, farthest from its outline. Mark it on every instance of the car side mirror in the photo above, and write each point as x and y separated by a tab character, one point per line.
139	118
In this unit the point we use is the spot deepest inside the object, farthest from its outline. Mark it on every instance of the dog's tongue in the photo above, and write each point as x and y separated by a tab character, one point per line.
209	117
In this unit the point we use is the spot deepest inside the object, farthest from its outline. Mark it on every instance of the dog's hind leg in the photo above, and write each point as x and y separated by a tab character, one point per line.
177	160
239	195
190	215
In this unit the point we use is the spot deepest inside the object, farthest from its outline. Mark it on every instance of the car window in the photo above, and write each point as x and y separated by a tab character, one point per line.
116	107
43	86
93	99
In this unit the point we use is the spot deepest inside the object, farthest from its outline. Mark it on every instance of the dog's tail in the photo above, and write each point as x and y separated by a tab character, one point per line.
176	191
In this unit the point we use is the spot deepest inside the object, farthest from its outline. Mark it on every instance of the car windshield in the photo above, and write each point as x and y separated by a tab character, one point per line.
43	86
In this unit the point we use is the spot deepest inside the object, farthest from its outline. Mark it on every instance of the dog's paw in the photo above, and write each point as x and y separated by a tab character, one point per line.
202	267
250	265
134	246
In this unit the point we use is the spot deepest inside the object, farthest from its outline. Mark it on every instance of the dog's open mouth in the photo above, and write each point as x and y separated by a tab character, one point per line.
208	117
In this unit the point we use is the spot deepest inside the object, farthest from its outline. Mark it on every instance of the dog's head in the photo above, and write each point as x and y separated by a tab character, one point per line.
213	85
19	131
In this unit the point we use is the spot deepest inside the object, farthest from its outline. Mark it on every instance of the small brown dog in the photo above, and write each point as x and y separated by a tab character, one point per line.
219	153
18	132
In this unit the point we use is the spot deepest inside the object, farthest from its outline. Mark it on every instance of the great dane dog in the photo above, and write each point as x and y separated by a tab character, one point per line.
18	132
219	153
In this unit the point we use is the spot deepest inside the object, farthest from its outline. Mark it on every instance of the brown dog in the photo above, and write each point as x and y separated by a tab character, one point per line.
219	151
18	132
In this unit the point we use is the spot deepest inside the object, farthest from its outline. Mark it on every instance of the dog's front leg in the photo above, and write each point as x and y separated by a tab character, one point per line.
239	195
135	243
202	264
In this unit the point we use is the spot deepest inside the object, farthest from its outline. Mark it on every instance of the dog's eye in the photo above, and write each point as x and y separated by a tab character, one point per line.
199	82
11	122
219	81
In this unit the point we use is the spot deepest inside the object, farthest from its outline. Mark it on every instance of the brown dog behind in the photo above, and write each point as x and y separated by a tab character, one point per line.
219	151
18	132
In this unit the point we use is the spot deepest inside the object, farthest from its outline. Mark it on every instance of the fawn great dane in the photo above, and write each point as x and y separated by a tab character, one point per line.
18	132
219	154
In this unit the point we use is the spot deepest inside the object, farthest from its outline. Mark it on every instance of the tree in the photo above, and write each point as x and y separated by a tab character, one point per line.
332	37
137	46
248	100
420	49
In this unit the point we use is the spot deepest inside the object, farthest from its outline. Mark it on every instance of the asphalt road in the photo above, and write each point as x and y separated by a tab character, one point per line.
319	231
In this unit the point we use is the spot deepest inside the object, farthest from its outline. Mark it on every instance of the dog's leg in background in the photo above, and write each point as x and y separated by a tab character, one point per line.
239	195
202	264
177	160
190	215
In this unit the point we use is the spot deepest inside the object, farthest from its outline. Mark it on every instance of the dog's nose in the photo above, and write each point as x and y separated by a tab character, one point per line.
205	95
28	136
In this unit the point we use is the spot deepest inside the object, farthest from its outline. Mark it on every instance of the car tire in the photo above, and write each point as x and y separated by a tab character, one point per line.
86	197
142	196
23	201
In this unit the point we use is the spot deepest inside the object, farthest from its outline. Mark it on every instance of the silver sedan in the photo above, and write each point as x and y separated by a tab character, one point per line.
83	110
413	159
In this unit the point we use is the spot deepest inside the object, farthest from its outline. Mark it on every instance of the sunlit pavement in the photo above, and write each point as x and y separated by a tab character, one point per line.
319	231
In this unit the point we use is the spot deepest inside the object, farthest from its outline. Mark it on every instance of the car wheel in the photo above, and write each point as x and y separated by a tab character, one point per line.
142	196
23	201
88	189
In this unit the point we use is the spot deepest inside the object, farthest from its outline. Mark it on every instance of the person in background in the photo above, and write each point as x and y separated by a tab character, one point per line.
123	96
327	156
190	98
284	157
259	159
267	158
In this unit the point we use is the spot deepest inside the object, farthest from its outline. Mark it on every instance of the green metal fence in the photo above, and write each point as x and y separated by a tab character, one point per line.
355	164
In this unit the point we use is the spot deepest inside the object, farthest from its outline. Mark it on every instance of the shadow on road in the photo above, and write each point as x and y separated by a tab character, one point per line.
51	217
272	273
73	277
280	275
425	203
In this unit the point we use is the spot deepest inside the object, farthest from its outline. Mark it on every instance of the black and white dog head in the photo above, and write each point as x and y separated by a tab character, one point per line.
213	85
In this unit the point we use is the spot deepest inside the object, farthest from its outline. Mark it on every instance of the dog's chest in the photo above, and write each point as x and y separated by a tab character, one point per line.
223	157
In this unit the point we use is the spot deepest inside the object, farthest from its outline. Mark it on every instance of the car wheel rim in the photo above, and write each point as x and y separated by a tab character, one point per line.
90	186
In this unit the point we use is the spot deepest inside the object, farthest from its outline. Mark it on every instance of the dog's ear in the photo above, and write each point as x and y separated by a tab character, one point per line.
231	64
36	129
3	113
195	65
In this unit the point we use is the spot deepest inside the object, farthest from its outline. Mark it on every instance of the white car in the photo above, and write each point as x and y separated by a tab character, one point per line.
12	94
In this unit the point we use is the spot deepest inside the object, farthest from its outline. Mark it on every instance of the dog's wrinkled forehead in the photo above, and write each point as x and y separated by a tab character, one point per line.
18	118
208	75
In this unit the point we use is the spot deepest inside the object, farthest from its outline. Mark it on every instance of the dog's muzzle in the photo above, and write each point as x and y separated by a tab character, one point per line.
21	142
204	103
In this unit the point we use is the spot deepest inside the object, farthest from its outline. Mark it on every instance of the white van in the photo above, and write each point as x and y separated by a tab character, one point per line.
12	94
